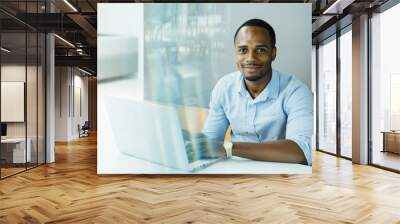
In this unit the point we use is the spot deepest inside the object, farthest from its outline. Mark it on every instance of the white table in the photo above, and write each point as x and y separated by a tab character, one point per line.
236	165
18	145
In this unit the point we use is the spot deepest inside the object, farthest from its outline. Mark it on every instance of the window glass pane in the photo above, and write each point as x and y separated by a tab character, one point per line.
22	89
327	97
346	94
385	84
14	152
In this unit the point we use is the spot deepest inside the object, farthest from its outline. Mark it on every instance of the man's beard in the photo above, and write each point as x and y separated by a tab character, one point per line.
259	76
255	78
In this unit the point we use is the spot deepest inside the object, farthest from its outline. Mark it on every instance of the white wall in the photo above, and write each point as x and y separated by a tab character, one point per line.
70	83
79	117
61	103
12	73
293	34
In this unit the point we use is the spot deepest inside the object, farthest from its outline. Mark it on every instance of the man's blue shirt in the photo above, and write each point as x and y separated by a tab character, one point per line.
283	110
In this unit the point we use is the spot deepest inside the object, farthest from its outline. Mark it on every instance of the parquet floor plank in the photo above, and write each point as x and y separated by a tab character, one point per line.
70	191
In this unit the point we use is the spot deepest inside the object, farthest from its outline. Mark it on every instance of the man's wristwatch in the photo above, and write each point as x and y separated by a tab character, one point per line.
228	149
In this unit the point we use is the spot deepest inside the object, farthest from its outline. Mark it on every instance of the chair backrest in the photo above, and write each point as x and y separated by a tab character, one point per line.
86	125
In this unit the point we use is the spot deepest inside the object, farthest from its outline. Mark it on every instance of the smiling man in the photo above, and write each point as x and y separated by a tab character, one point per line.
270	113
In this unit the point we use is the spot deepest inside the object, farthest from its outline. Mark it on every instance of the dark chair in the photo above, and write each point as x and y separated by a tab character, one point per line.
84	130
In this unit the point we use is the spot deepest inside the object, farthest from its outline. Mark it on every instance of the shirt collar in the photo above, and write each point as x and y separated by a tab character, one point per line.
270	91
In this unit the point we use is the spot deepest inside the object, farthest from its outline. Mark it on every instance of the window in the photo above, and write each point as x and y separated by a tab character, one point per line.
385	87
346	93
327	96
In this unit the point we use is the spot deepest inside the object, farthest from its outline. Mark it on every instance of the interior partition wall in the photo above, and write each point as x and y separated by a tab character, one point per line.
22	78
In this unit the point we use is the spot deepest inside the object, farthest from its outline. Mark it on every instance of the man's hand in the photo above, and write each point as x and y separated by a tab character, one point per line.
199	146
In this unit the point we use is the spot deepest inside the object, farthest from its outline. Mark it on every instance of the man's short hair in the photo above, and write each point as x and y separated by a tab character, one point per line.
259	23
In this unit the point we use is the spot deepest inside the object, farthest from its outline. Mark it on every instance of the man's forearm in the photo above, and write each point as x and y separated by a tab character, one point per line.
286	151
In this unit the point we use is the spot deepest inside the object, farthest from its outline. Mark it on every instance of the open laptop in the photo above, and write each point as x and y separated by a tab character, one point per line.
152	132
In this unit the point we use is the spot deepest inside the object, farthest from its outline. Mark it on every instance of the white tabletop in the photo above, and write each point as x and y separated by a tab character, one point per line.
235	165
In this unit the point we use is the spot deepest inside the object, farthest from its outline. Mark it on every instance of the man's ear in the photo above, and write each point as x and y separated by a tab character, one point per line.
273	53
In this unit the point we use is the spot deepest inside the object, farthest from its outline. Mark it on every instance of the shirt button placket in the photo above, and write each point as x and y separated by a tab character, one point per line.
254	122
249	116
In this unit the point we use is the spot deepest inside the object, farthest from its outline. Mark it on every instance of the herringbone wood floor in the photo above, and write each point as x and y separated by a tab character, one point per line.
70	191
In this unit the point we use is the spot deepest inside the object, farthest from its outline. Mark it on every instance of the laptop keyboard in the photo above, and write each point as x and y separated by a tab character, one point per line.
199	147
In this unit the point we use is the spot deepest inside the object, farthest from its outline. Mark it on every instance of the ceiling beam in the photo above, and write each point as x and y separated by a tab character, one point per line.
337	6
86	26
82	61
